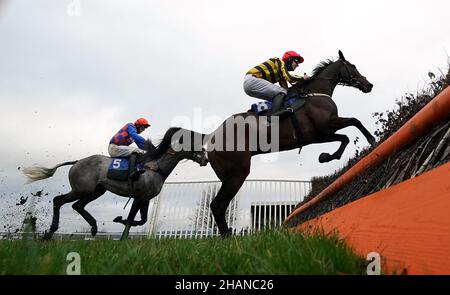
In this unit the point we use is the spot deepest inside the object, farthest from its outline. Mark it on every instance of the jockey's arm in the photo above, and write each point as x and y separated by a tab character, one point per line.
139	140
292	79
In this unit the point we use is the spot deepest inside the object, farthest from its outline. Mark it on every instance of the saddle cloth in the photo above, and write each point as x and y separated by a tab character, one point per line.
119	169
293	100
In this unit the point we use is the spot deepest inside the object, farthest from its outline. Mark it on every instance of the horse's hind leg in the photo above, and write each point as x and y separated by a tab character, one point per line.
80	204
219	205
58	201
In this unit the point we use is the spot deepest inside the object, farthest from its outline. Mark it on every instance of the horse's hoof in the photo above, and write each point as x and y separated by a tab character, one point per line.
118	219
47	236
53	228
324	157
94	230
227	234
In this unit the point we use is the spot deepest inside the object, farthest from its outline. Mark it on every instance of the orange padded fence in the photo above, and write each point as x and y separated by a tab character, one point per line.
408	224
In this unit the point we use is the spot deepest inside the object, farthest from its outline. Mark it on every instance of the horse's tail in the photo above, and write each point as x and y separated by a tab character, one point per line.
38	172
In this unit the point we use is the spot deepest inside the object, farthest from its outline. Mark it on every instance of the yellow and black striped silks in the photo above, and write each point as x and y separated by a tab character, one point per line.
274	70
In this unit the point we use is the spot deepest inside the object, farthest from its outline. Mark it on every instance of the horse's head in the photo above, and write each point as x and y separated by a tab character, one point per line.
198	157
350	76
179	142
188	144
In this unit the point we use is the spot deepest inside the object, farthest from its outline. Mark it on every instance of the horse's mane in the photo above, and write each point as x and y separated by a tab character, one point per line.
155	151
321	66
302	84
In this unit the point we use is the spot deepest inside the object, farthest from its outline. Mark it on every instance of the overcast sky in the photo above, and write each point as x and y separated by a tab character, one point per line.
73	72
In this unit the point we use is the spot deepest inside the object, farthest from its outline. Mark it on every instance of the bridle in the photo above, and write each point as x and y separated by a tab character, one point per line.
172	152
352	81
349	81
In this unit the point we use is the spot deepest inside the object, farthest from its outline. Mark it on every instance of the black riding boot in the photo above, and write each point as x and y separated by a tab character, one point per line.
134	174
277	103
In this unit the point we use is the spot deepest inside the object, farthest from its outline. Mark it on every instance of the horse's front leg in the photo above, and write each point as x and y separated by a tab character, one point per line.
143	210
130	219
144	216
339	123
326	157
221	201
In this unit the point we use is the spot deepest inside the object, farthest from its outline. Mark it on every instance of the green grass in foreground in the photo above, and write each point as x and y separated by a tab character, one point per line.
270	252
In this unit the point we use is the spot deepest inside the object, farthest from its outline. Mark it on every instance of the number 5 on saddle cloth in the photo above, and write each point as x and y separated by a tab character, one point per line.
119	169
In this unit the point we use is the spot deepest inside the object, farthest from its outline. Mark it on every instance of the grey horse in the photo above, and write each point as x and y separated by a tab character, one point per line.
88	178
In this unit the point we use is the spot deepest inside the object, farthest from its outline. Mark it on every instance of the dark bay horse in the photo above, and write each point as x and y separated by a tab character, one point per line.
318	120
88	178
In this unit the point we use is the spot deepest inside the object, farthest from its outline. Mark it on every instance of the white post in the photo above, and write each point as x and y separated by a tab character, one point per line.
177	212
204	201
236	213
259	216
254	217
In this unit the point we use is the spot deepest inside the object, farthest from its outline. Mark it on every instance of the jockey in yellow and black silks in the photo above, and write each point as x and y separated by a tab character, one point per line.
260	80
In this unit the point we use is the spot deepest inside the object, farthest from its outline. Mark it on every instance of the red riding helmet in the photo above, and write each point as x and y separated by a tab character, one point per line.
294	54
142	122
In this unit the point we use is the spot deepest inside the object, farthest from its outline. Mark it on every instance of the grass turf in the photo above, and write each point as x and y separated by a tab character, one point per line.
269	252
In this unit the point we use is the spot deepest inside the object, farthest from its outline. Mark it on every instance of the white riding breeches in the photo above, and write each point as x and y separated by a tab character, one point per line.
260	88
115	150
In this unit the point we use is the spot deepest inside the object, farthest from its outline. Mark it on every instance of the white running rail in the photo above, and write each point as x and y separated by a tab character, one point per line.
182	208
